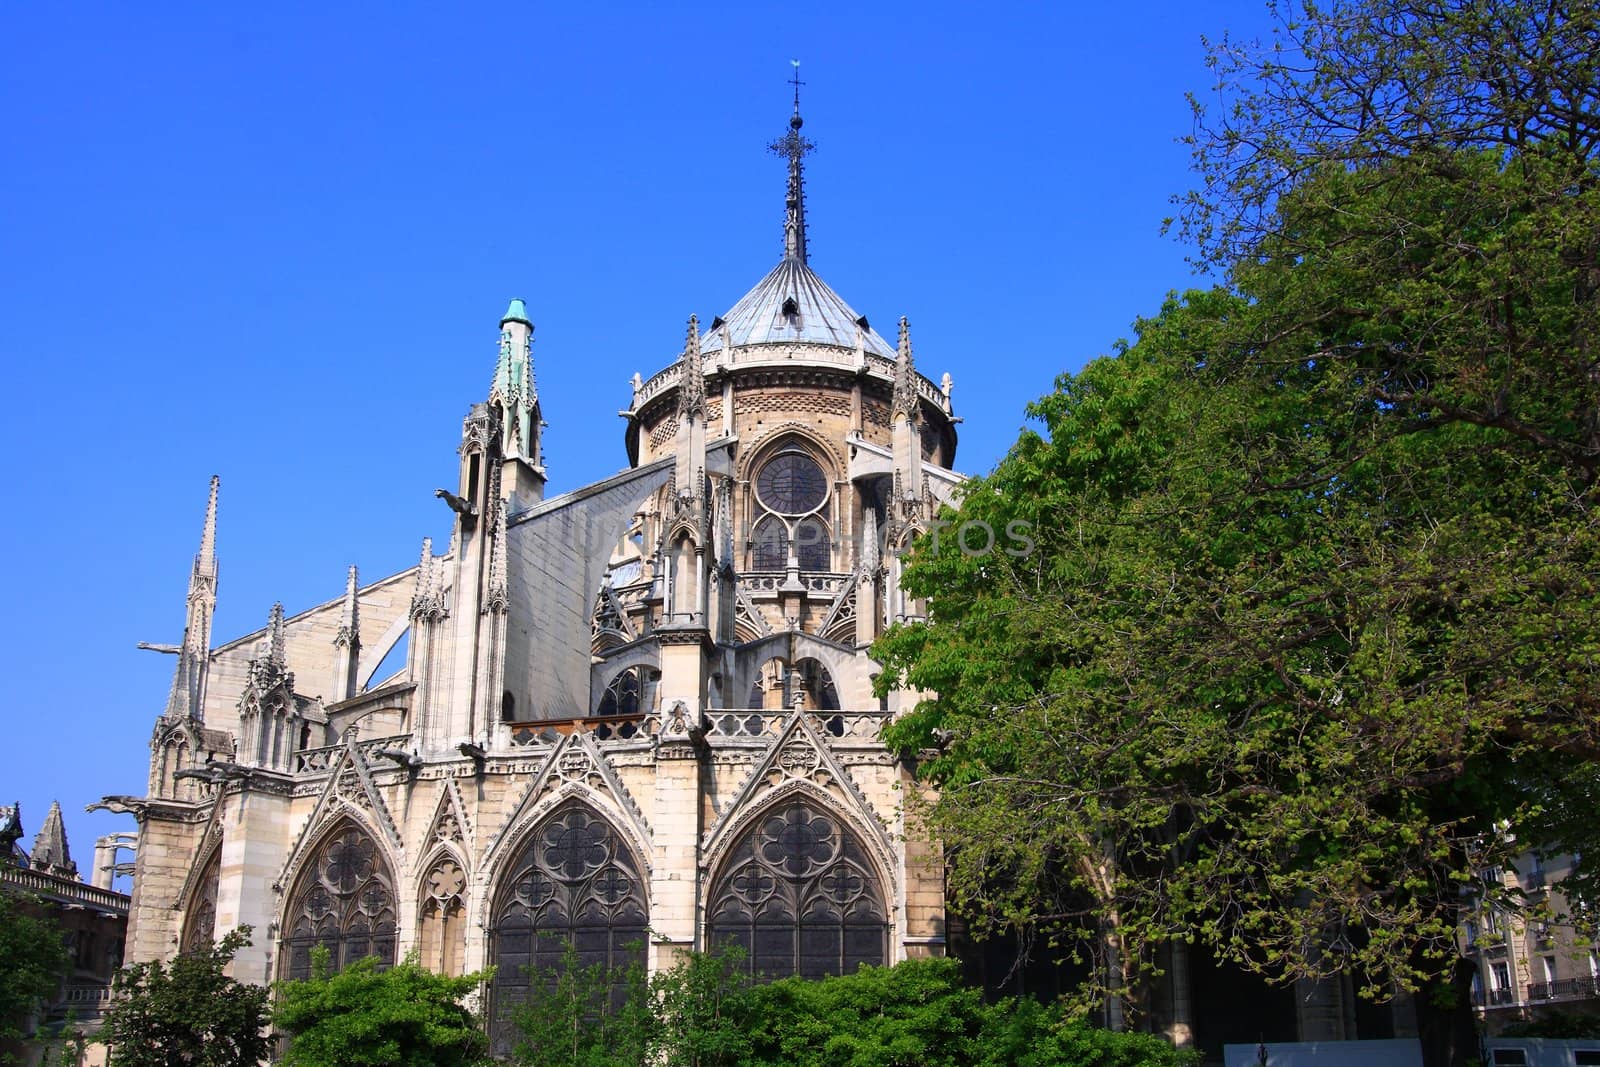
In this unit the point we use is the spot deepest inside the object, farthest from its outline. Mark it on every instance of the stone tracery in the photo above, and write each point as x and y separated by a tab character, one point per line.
573	882
798	895
344	902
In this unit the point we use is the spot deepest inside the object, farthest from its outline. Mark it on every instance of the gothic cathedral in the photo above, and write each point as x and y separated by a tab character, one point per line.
637	717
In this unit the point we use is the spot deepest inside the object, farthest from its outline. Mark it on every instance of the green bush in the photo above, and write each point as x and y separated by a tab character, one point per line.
405	1016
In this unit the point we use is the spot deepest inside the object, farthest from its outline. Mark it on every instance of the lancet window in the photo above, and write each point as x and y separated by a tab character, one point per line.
344	901
574	882
798	894
444	930
200	922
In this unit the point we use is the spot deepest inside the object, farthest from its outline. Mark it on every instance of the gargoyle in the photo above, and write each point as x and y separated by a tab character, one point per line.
465	508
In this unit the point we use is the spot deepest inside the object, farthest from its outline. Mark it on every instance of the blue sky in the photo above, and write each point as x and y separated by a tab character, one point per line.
273	243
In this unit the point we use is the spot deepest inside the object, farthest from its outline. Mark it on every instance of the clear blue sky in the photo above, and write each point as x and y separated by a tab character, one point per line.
273	243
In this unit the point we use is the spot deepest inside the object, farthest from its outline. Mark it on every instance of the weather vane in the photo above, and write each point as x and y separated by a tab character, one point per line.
796	82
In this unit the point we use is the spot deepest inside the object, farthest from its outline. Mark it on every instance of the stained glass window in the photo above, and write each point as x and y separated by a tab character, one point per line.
770	552
622	695
811	545
574	882
344	902
797	894
200	924
791	484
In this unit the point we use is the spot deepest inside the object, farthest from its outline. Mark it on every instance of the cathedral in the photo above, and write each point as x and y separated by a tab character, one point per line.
637	717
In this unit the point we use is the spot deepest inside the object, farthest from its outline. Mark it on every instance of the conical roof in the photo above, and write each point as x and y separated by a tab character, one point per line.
793	305
50	847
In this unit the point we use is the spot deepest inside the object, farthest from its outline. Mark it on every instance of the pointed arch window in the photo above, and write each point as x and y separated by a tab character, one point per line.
798	894
444	931
344	901
200	924
574	881
624	693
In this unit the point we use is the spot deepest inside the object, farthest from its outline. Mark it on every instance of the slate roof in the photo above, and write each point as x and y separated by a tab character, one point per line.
818	314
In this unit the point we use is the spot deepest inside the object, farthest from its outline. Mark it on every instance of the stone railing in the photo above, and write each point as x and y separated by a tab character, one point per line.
64	890
772	581
611	728
87	995
733	724
754	723
319	760
780	354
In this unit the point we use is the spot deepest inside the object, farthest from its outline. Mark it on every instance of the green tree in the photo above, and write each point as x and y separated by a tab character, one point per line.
187	1013
704	1010
1311	616
585	1016
402	1016
32	961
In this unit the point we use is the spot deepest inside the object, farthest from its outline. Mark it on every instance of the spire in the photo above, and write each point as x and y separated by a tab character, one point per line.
184	699
349	632
347	640
905	376
427	602
794	146
905	411
514	394
689	470
50	853
692	387
277	646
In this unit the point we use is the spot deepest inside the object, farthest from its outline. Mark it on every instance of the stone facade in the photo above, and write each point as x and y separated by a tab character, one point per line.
638	716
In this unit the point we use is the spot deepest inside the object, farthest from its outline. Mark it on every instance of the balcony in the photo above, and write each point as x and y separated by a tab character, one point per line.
1502	996
1565	989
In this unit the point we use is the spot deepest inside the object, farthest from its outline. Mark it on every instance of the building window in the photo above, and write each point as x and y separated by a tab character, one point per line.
444	932
575	882
790	489
200	922
791	484
1501	992
799	896
344	902
624	694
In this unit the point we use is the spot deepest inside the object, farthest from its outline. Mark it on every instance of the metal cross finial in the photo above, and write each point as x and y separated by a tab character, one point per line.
794	146
796	82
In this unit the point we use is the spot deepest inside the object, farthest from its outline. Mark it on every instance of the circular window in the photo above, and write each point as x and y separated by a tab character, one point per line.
792	484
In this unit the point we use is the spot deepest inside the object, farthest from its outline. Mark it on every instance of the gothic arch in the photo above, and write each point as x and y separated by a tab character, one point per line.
786	435
838	660
342	897
442	895
644	653
200	908
754	800
573	878
799	888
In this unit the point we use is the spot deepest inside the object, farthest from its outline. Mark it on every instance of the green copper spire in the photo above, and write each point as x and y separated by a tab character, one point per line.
517	312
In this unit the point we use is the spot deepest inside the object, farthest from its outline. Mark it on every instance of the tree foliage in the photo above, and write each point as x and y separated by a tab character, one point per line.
32	961
403	1016
578	1016
706	1012
187	1013
1312	614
